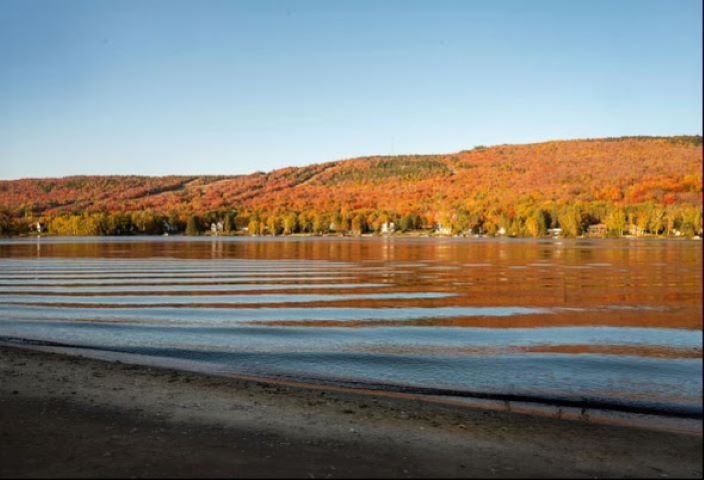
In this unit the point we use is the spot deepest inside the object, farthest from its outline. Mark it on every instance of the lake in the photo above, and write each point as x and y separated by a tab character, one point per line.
599	324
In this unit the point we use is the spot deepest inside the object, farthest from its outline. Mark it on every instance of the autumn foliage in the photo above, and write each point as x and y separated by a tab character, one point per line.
654	183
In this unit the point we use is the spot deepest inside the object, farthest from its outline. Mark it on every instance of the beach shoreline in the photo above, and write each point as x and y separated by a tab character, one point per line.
66	415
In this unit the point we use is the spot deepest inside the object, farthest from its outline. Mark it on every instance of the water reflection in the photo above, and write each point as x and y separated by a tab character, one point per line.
604	319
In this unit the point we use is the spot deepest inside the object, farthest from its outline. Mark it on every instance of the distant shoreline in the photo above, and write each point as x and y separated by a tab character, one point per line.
368	235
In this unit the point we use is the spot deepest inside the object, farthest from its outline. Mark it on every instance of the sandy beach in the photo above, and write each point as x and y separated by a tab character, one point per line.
64	416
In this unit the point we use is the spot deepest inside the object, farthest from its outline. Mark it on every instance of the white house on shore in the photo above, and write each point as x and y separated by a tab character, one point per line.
388	228
216	228
441	229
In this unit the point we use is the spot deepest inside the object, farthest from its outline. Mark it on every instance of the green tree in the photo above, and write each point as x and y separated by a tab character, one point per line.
192	225
174	221
5	221
305	222
230	222
697	220
342	222
405	223
359	224
119	224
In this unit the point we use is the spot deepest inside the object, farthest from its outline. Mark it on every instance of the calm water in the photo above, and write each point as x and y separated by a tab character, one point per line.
615	324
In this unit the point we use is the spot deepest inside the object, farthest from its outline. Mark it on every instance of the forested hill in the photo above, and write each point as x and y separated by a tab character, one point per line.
571	184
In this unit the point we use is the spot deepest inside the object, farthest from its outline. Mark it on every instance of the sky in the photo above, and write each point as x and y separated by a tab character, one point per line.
156	87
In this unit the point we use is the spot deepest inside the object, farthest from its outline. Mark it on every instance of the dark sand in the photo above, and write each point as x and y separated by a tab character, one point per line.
66	416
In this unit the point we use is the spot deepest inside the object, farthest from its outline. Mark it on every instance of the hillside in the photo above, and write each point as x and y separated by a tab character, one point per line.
652	182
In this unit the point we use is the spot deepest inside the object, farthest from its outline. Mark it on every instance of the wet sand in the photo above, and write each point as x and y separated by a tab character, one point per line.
64	416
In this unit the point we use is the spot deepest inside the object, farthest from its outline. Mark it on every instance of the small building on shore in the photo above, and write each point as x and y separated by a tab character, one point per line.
441	229
635	230
597	230
217	228
388	228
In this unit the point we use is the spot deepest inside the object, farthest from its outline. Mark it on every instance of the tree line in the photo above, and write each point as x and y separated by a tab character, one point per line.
522	220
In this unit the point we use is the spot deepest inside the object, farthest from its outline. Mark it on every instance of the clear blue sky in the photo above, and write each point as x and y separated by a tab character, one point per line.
226	87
